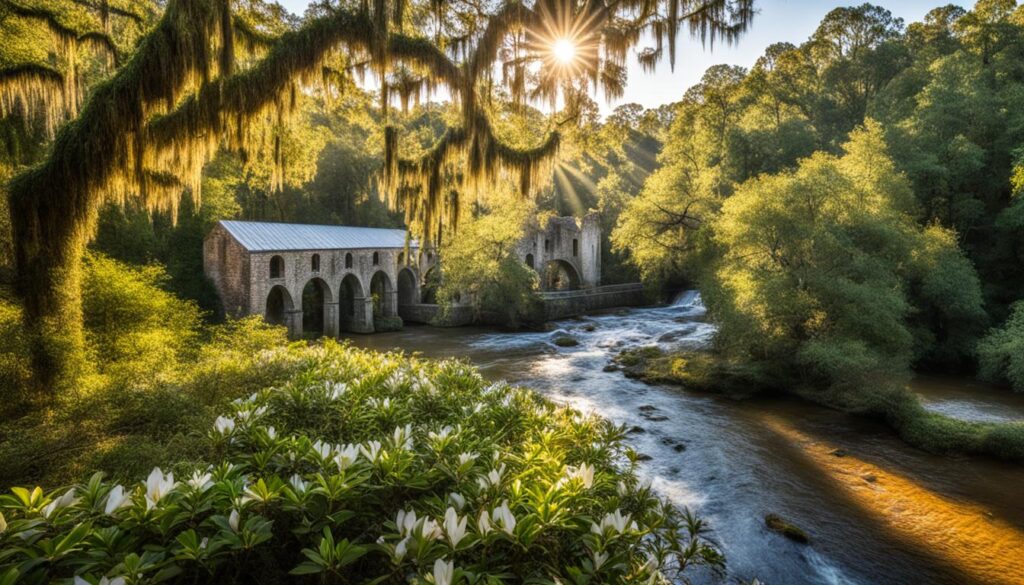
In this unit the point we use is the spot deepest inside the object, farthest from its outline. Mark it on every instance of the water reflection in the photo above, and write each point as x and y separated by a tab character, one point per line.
923	519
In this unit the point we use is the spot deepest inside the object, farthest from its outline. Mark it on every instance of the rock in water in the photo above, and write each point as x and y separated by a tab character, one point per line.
775	523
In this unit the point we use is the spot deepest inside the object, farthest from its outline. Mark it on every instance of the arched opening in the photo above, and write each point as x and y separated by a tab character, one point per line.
350	290
315	296
560	275
401	259
383	295
376	258
348	260
279	302
529	260
575	247
277	267
314	263
407	293
428	290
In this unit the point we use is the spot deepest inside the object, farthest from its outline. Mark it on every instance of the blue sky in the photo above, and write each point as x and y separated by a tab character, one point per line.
778	20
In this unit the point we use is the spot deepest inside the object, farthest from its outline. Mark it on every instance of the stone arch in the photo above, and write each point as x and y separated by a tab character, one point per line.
348	260
376	258
314	263
383	292
316	297
351	304
429	286
529	260
561	275
279	303
408	288
276	267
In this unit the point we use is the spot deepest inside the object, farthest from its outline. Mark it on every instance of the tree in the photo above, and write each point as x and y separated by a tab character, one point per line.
148	131
814	271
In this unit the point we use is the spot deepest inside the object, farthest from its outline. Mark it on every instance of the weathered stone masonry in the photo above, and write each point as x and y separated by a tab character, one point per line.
264	268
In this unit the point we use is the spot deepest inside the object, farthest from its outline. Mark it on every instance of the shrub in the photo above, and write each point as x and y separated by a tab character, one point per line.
1001	352
371	466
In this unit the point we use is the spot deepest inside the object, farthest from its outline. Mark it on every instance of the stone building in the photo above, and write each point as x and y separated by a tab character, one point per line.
565	251
315	279
326	280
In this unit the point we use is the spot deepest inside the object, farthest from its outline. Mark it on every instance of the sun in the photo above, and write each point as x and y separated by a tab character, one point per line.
564	51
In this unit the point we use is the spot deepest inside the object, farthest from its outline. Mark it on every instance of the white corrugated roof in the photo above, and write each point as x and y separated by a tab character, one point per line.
260	236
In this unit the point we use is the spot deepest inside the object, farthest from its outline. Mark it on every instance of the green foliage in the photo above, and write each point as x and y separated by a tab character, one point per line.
815	268
482	262
134	328
365	466
1001	352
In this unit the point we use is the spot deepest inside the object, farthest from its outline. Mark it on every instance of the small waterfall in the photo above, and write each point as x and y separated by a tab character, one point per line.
689	299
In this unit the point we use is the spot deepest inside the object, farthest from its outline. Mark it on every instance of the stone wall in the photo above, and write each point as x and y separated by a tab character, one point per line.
562	304
226	263
572	243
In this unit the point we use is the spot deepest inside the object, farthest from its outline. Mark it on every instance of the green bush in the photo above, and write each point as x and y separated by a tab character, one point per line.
366	466
1001	352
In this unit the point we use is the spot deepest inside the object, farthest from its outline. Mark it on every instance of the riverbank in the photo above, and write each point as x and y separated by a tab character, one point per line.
899	408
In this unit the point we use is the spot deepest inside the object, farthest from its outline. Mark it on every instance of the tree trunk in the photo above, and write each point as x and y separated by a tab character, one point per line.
48	246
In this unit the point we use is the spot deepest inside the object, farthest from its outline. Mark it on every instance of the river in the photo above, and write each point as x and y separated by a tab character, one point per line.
877	511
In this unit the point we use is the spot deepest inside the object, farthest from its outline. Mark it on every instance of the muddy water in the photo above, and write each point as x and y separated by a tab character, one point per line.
877	511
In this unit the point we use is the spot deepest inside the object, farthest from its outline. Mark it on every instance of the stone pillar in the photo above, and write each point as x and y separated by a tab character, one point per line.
362	320
391	303
331	320
293	320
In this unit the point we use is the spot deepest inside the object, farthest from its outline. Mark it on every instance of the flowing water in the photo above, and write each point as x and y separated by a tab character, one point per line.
876	510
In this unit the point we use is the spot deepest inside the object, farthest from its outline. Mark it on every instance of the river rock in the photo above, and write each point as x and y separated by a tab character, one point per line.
565	341
610	368
648	408
840	453
775	523
643	457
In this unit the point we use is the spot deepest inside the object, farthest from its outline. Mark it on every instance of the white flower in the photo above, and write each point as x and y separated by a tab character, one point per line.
62	502
493	478
224	425
324	450
443	572
200	481
613	522
599	559
233	520
346	456
430	530
298	484
116	499
335	390
401	549
454	526
458	500
466	458
3	523
370	450
405	521
483	525
584	473
402	437
623	490
440	435
158	485
503	517
272	433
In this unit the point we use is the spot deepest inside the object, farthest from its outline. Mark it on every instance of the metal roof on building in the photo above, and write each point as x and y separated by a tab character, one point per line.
260	236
